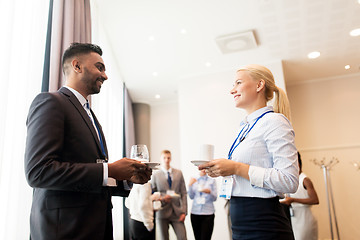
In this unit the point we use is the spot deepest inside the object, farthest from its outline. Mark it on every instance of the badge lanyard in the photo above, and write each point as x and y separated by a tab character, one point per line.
243	133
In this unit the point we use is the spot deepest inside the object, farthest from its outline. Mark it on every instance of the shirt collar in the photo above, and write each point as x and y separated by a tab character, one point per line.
166	171
80	97
254	115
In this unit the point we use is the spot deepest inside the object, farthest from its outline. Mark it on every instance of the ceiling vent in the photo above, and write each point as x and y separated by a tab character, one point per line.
236	42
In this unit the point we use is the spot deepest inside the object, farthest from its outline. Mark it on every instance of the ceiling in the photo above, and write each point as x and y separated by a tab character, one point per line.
158	43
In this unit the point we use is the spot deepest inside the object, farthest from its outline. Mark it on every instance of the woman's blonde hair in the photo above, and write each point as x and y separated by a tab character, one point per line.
281	104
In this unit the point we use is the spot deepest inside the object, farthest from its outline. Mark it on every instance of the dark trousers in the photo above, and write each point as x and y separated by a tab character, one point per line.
202	226
138	231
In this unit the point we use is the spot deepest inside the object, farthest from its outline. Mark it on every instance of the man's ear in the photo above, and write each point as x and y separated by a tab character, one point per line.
76	66
260	85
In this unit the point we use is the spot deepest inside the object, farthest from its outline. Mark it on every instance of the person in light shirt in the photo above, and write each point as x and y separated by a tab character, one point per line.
202	191
262	162
140	205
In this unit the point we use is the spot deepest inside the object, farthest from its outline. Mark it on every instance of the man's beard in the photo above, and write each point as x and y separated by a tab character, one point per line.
91	85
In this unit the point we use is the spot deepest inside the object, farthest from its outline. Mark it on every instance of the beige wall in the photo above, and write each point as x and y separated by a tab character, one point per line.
326	119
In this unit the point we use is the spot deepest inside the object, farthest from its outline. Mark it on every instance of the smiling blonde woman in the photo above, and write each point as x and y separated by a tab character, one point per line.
262	162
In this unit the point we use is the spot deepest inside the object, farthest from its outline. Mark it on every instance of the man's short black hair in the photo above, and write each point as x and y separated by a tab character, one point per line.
299	160
78	49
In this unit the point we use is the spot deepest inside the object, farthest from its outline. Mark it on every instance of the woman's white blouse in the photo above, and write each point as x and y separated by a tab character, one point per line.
270	150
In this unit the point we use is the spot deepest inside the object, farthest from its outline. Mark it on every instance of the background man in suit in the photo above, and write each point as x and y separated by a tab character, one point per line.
170	182
66	156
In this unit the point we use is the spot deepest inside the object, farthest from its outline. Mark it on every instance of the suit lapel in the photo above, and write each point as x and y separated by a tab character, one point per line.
163	180
75	102
101	132
174	178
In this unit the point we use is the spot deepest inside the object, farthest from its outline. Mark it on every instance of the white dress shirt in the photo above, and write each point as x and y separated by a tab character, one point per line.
166	171
83	102
269	149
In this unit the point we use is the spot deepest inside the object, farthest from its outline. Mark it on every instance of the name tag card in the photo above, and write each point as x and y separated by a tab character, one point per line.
226	187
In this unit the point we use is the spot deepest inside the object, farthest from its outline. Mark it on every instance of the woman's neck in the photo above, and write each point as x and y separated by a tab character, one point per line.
255	107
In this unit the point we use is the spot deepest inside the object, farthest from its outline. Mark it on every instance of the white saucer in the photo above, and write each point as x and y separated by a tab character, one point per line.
152	165
199	162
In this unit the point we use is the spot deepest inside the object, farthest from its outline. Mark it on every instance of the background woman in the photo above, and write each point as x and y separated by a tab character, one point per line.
262	162
202	191
303	222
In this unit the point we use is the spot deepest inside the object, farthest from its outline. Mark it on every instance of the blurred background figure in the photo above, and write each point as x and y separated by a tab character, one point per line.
202	191
140	205
170	183
303	222
287	208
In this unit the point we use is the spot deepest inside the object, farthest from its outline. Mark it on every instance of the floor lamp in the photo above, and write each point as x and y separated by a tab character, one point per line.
326	167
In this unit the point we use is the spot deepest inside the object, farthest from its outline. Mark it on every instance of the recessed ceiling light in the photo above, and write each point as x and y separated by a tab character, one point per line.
183	31
157	96
208	64
355	32
313	55
155	74
236	42
151	38
347	67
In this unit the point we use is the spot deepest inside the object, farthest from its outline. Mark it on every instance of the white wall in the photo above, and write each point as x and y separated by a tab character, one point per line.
164	132
326	117
205	115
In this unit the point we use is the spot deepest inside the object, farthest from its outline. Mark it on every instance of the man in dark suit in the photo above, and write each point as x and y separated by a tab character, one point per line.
66	156
170	182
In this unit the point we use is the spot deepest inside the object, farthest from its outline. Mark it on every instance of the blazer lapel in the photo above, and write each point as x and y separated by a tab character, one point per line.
101	132
75	102
174	179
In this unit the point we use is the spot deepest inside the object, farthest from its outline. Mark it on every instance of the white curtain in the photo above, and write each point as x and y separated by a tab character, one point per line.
22	41
108	107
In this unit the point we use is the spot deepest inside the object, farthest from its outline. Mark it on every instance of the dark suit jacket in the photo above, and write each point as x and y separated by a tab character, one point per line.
178	205
69	201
